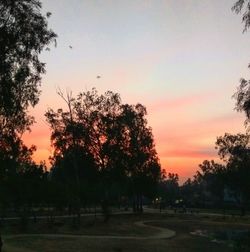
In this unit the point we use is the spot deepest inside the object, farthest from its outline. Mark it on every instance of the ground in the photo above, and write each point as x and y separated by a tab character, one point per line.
160	232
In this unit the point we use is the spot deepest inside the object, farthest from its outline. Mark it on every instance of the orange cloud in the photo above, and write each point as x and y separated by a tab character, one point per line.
185	142
185	167
186	153
181	102
182	140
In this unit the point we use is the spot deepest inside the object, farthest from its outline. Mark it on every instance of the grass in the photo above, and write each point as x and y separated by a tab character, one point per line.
117	225
124	225
180	243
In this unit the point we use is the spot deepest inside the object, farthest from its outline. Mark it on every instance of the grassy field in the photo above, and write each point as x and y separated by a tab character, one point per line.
123	225
180	243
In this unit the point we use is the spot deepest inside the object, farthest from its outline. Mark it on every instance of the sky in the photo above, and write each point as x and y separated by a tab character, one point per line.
182	59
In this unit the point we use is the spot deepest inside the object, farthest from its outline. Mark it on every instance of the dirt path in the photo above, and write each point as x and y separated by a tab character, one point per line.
163	233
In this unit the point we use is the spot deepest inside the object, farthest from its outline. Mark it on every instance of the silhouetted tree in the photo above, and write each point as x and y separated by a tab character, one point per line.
232	146
14	155
169	188
108	143
210	180
142	161
243	6
190	192
242	95
24	33
213	179
234	149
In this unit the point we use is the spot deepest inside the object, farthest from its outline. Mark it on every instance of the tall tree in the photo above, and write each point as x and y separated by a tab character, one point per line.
113	136
24	34
190	192
243	5
83	138
142	160
234	149
232	146
242	95
211	181
169	188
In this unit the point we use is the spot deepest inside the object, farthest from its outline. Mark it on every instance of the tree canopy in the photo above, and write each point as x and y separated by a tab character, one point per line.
243	5
24	34
242	95
100	140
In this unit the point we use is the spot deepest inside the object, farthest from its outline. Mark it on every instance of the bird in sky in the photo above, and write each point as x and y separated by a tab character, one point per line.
98	76
70	47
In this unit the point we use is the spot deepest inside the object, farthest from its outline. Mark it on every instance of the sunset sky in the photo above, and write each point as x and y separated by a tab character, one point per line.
182	59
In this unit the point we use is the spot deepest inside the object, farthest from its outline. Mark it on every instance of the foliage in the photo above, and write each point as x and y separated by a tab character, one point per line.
101	142
232	146
190	192
242	95
213	179
235	150
211	182
24	33
243	5
169	188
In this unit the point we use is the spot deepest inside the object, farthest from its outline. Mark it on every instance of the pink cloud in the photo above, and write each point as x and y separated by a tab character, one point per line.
182	141
181	102
205	153
39	136
183	145
184	167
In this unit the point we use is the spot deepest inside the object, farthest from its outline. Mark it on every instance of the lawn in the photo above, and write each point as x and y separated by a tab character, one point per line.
62	240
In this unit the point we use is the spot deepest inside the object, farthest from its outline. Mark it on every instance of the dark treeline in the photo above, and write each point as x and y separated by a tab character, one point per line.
104	154
225	184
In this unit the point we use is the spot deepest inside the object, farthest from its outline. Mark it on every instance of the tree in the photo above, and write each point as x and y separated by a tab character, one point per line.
234	149
24	34
242	95
142	161
99	135
243	5
213	178
237	147
232	146
190	192
169	188
211	181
